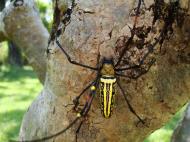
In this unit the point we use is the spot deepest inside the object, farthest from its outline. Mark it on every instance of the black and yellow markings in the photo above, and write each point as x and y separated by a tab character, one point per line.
107	94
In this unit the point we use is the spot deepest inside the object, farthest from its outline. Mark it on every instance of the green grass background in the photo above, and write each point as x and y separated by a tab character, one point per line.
19	87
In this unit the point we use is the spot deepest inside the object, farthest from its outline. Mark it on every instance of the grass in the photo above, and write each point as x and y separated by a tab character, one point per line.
18	88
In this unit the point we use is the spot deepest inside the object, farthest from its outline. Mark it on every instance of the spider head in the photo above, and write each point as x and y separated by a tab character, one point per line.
107	66
107	61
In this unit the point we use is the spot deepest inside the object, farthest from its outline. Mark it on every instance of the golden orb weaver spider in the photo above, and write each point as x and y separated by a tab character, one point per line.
106	79
108	71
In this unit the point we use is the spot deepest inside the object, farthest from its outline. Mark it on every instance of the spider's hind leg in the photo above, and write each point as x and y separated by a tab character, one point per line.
129	105
84	112
95	82
78	129
76	100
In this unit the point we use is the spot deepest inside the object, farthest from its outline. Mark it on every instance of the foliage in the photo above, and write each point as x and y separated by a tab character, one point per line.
46	12
164	134
18	88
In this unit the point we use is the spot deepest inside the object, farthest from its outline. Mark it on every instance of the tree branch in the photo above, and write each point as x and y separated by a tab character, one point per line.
20	22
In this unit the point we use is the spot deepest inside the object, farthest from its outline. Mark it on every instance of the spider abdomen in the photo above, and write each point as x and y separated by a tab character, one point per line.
107	94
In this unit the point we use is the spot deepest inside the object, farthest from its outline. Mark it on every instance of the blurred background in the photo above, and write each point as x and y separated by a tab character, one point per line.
19	85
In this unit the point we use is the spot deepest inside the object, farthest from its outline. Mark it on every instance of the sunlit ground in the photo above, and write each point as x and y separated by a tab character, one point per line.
19	87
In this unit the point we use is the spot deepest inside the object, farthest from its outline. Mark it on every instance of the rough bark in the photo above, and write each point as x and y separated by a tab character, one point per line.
155	96
20	22
182	132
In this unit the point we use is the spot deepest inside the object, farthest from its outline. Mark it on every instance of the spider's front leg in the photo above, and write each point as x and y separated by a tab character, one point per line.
72	61
142	71
129	105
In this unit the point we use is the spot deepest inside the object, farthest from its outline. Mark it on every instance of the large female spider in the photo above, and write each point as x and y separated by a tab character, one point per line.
107	77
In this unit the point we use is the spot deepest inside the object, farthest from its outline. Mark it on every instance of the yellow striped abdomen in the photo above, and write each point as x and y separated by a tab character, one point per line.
107	94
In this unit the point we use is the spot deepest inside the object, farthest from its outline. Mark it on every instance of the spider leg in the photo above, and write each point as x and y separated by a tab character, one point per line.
150	50
76	100
85	111
125	49
66	21
51	136
137	13
141	73
78	130
136	66
127	44
129	105
70	60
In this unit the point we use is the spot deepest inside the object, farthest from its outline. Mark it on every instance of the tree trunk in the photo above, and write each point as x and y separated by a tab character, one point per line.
20	22
95	27
14	55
